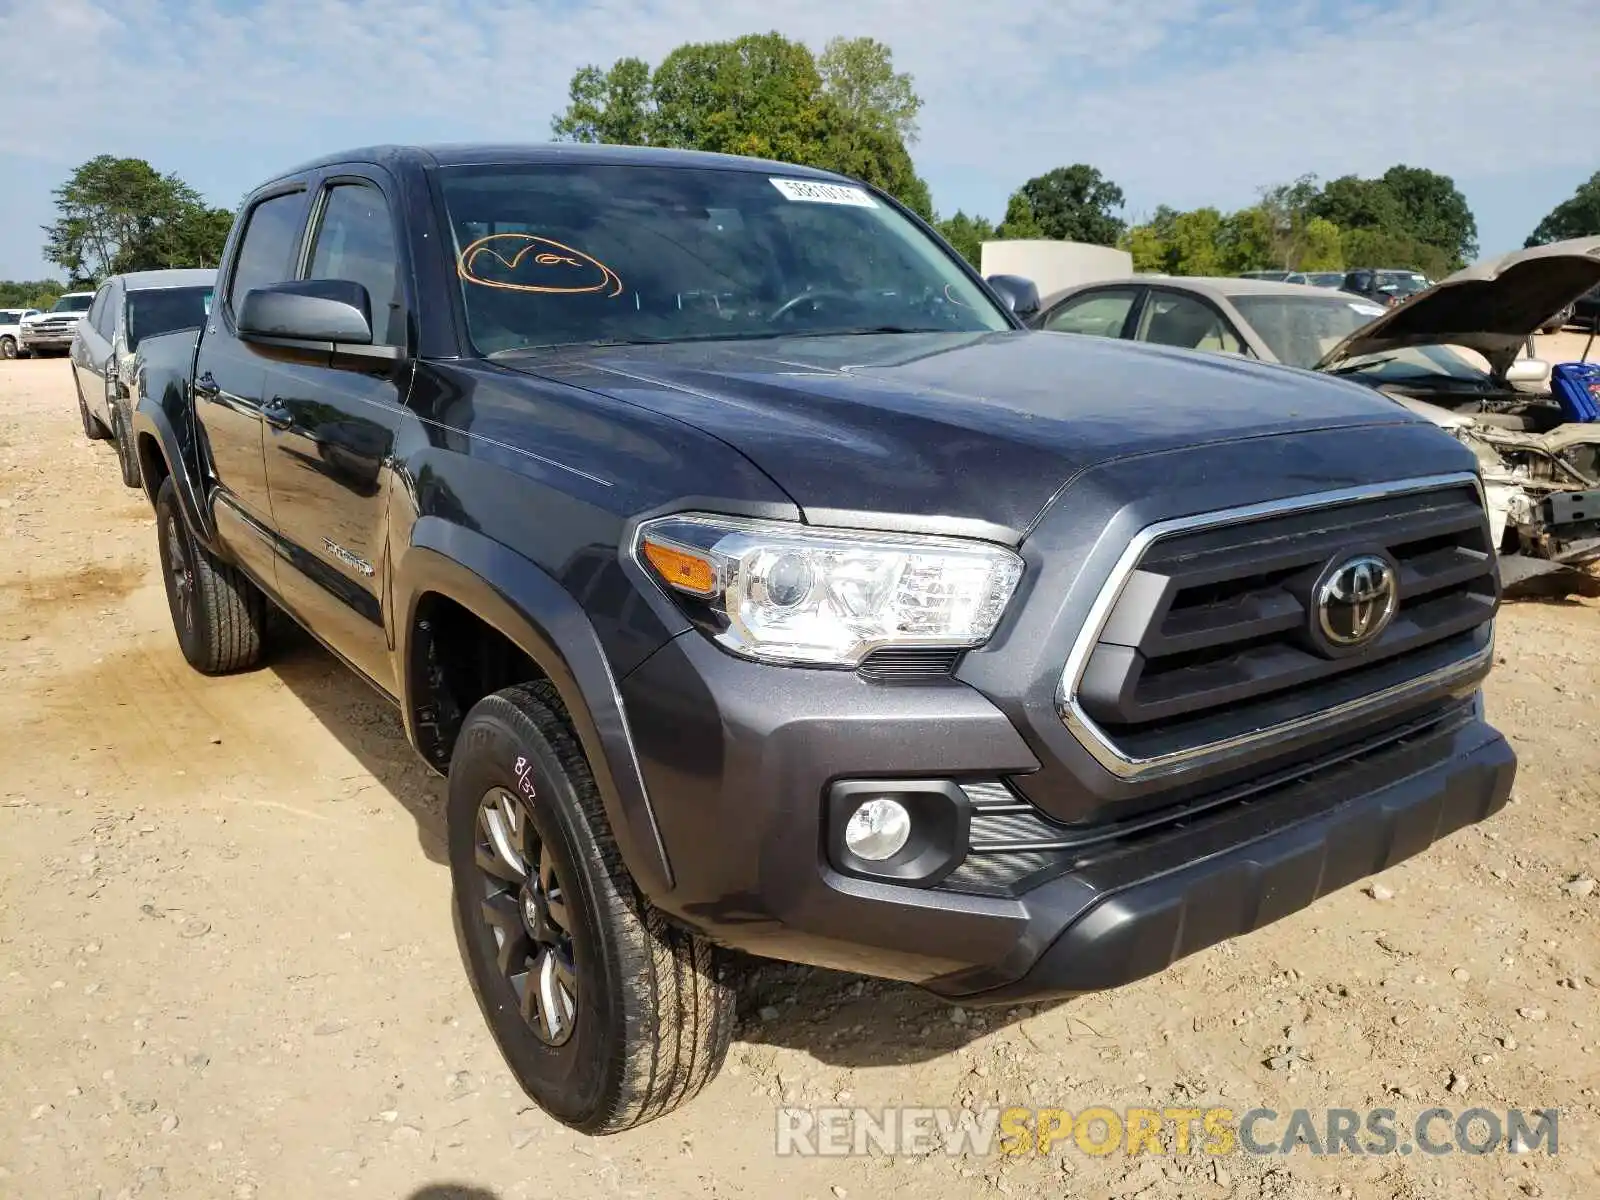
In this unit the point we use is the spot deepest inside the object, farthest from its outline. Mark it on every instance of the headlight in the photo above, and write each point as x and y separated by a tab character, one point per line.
779	592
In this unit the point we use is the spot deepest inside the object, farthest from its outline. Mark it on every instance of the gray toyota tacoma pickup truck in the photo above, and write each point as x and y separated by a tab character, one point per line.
761	582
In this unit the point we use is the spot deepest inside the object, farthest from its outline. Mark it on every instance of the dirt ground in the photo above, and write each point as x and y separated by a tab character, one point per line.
227	966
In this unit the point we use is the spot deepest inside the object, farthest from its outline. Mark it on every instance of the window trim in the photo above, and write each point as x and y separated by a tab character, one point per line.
344	177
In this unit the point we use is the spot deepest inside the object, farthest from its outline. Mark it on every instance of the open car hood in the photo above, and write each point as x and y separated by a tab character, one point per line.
1492	306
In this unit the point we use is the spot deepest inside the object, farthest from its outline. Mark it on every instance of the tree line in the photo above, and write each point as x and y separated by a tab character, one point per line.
848	110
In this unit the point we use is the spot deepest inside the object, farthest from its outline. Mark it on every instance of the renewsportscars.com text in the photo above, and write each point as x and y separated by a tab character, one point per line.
1103	1131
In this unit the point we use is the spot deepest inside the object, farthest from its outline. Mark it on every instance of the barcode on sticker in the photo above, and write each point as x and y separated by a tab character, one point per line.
823	193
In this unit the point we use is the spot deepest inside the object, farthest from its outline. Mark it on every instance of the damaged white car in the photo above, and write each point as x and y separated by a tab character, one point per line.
1539	457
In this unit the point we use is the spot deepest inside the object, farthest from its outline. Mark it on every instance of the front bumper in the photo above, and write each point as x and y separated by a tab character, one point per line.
45	341
739	757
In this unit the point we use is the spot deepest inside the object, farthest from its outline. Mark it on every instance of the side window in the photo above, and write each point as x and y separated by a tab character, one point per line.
266	255
108	316
355	242
1172	319
1101	314
97	310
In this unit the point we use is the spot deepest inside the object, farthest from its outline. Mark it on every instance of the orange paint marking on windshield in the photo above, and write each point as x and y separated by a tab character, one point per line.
547	253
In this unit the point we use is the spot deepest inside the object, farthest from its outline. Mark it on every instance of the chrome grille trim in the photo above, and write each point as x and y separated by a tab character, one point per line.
1093	739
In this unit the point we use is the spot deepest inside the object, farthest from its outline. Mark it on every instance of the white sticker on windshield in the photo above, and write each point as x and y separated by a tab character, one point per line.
816	192
1368	310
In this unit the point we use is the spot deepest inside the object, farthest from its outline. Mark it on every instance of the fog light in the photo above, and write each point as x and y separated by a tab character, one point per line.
877	830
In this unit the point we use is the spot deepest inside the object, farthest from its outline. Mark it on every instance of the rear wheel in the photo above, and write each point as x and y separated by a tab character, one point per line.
92	429
127	455
217	613
608	1015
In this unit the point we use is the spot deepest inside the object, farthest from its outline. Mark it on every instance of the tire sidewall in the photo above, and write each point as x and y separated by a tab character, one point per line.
571	1081
122	438
168	510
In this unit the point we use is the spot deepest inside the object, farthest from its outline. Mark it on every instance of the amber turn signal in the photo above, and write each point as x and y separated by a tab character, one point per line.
684	570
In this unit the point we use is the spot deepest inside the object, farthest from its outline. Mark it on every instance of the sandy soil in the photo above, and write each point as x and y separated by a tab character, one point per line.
227	967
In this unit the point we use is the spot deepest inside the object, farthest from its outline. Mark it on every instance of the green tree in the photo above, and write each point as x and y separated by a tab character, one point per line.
763	96
1576	216
1019	223
858	75
1074	204
1323	250
120	214
1245	240
1377	248
1144	244
608	106
1434	212
29	293
1288	209
1351	202
967	235
1196	243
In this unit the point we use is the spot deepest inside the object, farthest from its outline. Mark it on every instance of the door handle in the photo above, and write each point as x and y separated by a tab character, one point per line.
275	414
206	387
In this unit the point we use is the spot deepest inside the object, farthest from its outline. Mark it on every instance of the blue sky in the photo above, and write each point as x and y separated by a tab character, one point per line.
1185	102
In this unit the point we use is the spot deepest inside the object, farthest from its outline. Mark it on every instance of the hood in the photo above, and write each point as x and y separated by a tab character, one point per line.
1492	307
44	317
982	426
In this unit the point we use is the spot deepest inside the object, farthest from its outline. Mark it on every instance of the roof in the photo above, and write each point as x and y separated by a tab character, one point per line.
145	281
1214	286
458	154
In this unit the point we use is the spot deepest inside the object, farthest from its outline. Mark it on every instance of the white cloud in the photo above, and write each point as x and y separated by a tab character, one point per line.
1188	101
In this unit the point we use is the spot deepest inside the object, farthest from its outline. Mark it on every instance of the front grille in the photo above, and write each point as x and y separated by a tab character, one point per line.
1206	641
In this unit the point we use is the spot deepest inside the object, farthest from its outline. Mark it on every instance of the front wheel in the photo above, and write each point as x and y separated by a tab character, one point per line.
218	614
8	347
608	1015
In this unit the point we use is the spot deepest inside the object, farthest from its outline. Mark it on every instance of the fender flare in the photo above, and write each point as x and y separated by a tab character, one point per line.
149	420
539	616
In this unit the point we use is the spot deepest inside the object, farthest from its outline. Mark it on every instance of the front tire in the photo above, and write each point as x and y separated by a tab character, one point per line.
8	347
608	1015
218	614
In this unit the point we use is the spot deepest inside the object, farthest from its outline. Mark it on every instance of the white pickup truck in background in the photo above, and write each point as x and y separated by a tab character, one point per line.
51	332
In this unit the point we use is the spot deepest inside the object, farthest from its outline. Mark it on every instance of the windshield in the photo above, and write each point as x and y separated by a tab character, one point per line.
1326	279
1436	365
1299	330
165	311
1405	283
557	254
74	303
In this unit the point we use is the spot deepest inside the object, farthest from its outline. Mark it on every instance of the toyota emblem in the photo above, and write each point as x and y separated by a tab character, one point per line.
1355	599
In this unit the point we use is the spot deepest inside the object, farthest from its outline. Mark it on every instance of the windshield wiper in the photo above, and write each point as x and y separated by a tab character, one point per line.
1361	365
859	331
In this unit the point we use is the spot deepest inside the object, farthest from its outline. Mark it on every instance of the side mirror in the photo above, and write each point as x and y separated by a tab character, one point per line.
1534	372
1020	294
311	317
